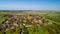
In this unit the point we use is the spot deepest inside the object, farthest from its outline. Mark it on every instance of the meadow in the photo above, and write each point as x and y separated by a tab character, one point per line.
29	22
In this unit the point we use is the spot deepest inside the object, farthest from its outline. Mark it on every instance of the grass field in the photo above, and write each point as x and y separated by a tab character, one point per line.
29	22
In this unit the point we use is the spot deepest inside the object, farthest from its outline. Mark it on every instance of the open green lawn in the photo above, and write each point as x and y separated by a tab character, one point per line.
1	20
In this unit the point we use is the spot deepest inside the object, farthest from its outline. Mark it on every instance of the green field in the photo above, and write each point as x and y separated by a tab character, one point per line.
30	22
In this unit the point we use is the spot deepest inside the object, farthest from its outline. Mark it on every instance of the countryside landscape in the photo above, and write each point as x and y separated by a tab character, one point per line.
29	16
29	22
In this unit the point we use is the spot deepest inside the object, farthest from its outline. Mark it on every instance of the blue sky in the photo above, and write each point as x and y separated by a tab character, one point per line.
29	4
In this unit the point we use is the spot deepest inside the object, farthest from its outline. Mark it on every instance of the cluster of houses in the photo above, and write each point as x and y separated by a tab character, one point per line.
24	20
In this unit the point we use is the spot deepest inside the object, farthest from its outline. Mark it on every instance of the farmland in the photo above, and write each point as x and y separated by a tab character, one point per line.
29	22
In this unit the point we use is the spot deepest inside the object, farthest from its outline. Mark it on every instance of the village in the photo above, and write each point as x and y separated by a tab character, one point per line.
24	21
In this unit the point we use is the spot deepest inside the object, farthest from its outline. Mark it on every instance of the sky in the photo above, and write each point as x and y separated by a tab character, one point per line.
29	4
